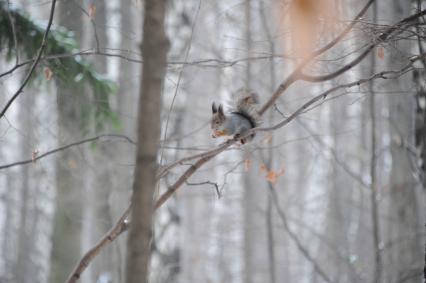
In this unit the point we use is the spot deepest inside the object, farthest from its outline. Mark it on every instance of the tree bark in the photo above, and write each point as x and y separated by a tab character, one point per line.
154	52
378	261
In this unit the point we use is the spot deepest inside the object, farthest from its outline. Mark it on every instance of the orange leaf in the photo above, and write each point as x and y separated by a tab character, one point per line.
263	168
380	52
272	176
47	73
92	10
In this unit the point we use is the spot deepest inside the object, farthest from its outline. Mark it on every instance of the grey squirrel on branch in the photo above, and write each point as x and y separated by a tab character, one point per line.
242	116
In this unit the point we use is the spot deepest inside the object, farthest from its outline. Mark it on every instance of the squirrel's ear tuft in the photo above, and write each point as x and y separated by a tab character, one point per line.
220	110
214	109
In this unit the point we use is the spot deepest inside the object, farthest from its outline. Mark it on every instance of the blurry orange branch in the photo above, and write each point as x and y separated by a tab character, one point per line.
294	76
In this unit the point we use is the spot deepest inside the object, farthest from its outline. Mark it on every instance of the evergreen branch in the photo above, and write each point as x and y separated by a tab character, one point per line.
34	65
69	69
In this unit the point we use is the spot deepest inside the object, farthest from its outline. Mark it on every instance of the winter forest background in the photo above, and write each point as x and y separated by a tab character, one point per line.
331	190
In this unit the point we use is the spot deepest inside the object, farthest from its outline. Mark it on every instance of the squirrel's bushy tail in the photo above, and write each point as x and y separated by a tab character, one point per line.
246	104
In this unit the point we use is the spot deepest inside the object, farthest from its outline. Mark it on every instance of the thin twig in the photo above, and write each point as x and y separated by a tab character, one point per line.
209	62
179	79
215	185
33	160
295	238
15	40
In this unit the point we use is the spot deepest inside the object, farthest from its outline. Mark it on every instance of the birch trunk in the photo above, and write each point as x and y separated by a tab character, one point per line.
154	52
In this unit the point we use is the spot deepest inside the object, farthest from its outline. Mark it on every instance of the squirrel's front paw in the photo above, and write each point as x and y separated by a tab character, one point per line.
219	133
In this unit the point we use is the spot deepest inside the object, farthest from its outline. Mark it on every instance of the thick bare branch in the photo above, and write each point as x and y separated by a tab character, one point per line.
118	228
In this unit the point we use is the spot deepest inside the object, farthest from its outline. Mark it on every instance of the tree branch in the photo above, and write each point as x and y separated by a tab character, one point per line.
34	65
380	75
115	231
215	185
382	38
294	76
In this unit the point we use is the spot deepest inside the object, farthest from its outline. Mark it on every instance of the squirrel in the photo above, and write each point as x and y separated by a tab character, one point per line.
242	116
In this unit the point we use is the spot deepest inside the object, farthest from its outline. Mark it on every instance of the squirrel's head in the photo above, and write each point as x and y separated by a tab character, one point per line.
218	120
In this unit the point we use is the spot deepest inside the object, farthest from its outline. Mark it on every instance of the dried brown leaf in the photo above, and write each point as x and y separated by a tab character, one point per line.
380	52
263	168
92	10
34	155
47	73
247	164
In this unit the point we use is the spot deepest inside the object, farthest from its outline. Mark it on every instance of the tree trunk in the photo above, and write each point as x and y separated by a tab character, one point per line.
25	243
67	226
154	52
98	217
404	245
